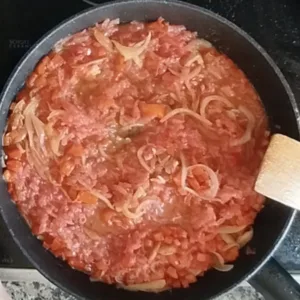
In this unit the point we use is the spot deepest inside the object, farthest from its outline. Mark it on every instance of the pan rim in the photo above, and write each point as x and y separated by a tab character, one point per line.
211	14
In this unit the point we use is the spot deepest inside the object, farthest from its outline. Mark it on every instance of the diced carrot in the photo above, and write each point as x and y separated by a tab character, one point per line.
14	153
56	62
177	178
153	110
42	66
31	79
13	165
107	214
171	271
41	81
190	278
87	198
72	193
231	254
158	236
76	150
56	244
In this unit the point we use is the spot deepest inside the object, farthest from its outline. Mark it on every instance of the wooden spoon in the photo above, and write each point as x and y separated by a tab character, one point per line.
279	175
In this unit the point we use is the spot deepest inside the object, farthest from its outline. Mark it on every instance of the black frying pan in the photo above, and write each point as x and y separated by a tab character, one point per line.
261	270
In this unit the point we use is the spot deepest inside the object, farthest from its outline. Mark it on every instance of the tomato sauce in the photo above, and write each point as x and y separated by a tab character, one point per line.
132	152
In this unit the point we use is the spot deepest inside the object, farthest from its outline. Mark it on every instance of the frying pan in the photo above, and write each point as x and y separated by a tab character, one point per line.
271	225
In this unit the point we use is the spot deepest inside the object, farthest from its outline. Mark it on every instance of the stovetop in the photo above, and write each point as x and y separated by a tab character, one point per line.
274	24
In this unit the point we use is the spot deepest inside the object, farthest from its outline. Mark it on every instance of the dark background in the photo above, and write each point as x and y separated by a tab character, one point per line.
274	24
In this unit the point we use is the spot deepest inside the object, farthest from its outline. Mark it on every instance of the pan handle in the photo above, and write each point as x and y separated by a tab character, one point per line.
275	283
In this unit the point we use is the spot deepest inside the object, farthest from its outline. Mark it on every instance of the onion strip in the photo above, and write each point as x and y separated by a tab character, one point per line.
227	238
231	229
140	210
133	52
101	197
224	268
220	264
38	126
246	137
187	112
154	252
141	159
214	187
103	40
205	102
245	238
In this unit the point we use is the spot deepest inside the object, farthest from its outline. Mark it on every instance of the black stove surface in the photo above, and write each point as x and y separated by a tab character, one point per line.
274	24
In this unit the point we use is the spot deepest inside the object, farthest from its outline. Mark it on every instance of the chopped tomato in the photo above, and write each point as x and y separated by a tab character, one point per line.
129	153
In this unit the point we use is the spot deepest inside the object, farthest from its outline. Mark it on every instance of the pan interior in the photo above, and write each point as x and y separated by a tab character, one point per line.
269	83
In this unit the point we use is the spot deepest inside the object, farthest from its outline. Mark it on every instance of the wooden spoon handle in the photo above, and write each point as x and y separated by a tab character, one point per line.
279	175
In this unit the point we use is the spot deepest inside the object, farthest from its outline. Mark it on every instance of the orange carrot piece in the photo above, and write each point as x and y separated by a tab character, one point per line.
153	110
87	198
76	150
13	153
13	165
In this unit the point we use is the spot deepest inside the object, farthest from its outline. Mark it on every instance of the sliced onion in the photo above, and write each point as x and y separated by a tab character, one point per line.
140	210
246	137
32	106
214	181
159	179
90	63
133	52
231	229
152	286
101	197
29	129
19	107
154	252
220	264
227	238
184	171
34	161
245	238
140	192
193	74
40	131
103	40
91	234
194	58
142	160
211	98
219	257
187	112
197	44
230	246
167	250
29	111
21	149
54	113
224	268
55	141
